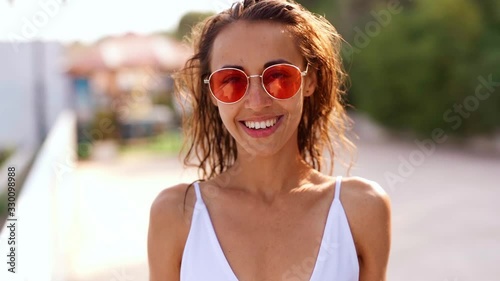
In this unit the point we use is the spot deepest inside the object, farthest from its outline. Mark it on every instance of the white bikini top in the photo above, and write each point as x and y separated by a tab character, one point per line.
204	260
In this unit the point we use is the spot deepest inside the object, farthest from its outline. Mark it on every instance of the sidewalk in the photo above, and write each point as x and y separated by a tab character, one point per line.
114	199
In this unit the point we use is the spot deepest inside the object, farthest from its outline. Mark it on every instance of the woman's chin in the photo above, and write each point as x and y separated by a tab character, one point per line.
259	151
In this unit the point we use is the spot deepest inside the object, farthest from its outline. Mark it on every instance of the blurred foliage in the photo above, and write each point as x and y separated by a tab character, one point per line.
3	207
84	150
328	9
168	143
427	62
5	154
105	126
341	13
163	98
188	21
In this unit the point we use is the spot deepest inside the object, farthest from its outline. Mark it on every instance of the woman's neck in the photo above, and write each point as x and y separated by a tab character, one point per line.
267	177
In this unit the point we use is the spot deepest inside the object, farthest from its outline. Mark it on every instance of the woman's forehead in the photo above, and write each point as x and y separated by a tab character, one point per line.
253	44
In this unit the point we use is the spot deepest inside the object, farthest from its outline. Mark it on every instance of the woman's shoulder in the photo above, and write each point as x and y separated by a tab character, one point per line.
171	213
363	198
174	203
357	189
169	224
368	209
361	189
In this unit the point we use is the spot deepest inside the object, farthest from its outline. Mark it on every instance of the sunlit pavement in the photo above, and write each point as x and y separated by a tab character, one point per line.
446	224
112	215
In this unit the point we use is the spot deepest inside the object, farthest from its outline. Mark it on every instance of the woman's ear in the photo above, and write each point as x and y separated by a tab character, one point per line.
310	81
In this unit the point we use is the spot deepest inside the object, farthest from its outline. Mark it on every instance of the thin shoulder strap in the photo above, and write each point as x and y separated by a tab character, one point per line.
338	183
199	199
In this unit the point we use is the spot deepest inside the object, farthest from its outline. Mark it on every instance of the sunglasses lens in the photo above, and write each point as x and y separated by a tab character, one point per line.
228	85
282	81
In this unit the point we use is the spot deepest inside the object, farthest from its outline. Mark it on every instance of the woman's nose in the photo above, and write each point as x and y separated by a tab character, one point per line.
257	98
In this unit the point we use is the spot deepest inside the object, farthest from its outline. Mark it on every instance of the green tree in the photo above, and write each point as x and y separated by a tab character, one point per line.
426	62
188	21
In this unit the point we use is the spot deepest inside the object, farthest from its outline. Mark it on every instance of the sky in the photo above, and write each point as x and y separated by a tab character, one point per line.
88	20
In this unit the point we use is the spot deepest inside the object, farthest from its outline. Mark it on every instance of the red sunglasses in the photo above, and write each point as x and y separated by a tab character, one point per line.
280	81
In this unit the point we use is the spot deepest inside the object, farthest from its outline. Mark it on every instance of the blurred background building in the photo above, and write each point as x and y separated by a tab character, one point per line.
124	88
34	91
89	120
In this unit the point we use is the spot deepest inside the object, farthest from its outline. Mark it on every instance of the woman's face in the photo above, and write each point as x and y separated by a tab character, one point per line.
253	46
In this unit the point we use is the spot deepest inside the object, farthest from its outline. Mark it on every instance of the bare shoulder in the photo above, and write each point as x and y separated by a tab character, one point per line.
368	209
169	224
365	203
172	202
367	193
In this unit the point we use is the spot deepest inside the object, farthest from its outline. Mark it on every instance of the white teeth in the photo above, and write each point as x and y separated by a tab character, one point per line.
261	124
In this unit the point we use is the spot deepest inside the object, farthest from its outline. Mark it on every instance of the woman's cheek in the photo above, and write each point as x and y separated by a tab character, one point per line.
227	117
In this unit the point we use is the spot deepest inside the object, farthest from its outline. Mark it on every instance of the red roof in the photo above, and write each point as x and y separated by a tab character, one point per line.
128	51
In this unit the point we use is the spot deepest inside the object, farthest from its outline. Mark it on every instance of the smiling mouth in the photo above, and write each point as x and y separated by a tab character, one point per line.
261	125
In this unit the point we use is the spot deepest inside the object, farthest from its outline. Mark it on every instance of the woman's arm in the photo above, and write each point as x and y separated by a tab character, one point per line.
370	211
167	234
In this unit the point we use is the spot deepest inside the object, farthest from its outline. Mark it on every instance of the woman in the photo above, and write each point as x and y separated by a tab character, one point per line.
265	91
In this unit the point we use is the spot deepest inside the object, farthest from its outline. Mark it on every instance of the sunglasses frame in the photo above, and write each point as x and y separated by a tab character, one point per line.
302	75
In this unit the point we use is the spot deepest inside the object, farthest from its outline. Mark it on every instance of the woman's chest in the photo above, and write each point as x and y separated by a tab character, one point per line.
272	245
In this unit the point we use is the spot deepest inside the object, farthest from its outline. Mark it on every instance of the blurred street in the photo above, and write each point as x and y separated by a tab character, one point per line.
445	214
112	210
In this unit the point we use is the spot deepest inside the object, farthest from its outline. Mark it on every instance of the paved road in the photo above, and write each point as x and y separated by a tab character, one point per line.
112	215
446	210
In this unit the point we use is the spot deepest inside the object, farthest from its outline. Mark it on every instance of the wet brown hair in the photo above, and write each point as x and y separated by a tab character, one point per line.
324	122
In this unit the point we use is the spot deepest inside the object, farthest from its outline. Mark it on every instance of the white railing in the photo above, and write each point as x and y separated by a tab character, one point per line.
42	211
